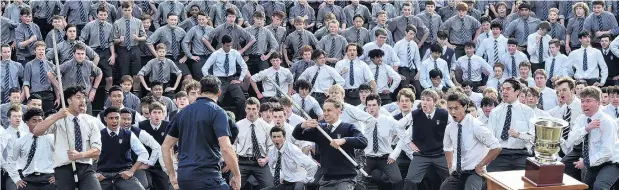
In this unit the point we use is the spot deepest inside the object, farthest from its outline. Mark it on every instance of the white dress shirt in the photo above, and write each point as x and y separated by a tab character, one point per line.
218	59
390	58
428	54
289	138
427	66
148	141
64	128
381	111
41	162
550	98
611	110
476	141
506	59
560	111
295	166
327	75
7	164
384	73
478	65
562	67
541	113
295	119
361	72
495	83
244	141
311	104
269	89
487	48
136	145
595	63
386	128
533	47
614	47
521	114
353	115
476	97
602	140
402	49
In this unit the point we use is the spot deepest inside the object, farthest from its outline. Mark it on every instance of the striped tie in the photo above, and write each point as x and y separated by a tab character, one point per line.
526	29
540	103
146	6
315	76
78	73
174	44
463	30
470	70
161	65
254	47
514	66
127	34
33	149
351	75
42	72
48	11
431	30
172	6
585	149
359	41
82	11
332	49
59	36
279	94
585	67
540	53
599	17
300	43
302	10
551	73
7	82
227	64
567	117
376	73
544	10
496	51
507	124
409	55
102	42
459	150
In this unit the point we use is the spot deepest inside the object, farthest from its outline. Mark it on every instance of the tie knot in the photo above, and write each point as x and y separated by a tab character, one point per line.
252	125
35	137
588	120
75	119
509	106
459	125
112	134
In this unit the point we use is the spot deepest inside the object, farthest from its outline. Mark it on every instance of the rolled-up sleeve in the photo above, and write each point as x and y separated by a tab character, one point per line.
138	148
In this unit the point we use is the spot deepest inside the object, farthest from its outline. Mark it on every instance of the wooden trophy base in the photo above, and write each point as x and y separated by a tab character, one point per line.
543	175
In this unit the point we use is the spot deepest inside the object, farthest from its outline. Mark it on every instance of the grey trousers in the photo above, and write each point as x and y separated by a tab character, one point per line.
472	182
37	182
262	174
141	176
602	176
508	160
391	171
342	184
85	174
113	181
419	166
287	186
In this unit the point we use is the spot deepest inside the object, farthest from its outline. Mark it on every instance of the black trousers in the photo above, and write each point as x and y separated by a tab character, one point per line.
287	186
509	159
158	179
536	66
466	180
232	94
410	79
5	176
255	65
602	176
85	174
195	67
352	96
48	99
459	50
129	61
113	180
320	97
38	182
44	26
208	183
104	64
391	171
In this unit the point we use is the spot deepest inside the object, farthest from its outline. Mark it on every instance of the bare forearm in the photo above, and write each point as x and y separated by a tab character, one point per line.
178	81
490	156
40	128
167	159
231	160
92	153
136	166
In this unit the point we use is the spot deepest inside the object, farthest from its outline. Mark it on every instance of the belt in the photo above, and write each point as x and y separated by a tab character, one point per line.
318	94
384	156
247	158
226	78
458	174
101	49
38	174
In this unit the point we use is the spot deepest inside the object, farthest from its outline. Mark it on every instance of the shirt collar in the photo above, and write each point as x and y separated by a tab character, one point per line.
155	126
336	124
109	131
465	120
431	114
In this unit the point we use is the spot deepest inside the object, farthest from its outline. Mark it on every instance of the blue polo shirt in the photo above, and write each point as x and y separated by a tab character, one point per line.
197	127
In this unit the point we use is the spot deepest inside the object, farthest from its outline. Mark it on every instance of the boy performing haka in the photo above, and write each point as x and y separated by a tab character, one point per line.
469	162
338	172
69	125
286	161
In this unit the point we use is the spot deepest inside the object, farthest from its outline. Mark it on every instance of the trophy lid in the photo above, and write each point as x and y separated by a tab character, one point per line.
549	122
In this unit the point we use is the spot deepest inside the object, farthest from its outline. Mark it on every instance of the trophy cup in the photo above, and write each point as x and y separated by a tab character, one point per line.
544	169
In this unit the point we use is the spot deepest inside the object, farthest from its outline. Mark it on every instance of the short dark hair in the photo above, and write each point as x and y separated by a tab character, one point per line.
266	106
469	44
302	84
180	94
435	48
171	14
359	48
524	5
376	53
109	110
258	14
126	110
430	2
317	53
605	36
496	25
25	11
597	2
277	129
66	28
125	5
512	41
210	84
487	101
467	83
358	16
72	91
155	83
373	97
275	55
114	88
230	11
544	25
411	28
462	99
33	112
78	46
515	83
485	19
102	9
226	39
365	86
435	73
584	33
14	90
441	34
570	82
34	97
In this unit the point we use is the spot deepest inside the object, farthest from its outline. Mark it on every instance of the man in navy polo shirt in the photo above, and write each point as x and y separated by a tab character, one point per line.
115	168
202	133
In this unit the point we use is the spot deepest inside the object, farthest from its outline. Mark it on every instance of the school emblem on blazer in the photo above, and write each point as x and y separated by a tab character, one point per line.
120	140
339	136
438	122
162	134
